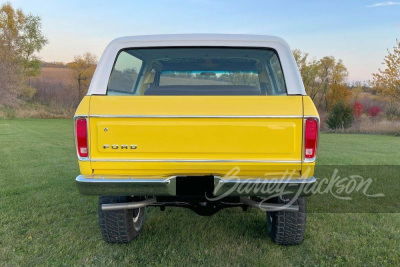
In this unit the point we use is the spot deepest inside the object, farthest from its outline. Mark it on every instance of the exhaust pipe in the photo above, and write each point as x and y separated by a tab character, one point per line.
246	201
129	205
269	206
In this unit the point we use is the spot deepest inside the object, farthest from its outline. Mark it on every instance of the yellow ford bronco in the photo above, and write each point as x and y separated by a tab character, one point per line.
200	121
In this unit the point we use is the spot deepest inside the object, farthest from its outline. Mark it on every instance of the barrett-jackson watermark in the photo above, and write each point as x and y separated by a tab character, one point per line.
286	185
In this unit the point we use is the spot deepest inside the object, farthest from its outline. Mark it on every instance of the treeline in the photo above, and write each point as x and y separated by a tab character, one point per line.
55	64
343	105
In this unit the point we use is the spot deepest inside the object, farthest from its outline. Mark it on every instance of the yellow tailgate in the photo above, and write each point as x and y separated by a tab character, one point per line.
178	135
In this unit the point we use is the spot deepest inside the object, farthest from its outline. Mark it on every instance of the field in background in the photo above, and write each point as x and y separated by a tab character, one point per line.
55	96
364	124
55	75
44	220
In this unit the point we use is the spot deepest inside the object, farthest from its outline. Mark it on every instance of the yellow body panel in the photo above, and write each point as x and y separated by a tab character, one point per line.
196	105
196	135
200	138
309	107
85	167
83	108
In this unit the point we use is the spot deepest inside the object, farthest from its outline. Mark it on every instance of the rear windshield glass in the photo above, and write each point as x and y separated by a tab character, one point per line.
197	71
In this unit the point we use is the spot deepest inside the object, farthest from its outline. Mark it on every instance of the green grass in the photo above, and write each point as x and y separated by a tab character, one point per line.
358	149
44	220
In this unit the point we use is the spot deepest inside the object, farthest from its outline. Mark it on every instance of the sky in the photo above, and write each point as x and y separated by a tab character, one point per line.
357	31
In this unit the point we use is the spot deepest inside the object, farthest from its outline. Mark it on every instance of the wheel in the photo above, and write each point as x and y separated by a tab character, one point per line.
120	226
287	227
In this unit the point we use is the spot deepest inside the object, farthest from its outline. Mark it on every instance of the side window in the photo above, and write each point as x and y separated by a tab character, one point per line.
280	87
124	75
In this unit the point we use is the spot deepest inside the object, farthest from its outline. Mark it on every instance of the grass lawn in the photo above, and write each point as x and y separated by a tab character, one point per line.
44	220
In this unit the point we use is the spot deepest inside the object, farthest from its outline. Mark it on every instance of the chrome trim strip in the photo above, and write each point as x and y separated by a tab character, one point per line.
266	181
306	160
130	179
87	179
195	116
88	137
310	160
196	160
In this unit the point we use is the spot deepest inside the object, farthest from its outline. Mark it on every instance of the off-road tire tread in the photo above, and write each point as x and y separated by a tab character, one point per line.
288	228
116	226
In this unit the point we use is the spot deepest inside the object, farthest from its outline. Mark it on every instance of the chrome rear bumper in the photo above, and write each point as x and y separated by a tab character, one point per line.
126	186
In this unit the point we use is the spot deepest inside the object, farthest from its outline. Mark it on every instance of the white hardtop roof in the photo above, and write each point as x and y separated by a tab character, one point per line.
294	84
204	37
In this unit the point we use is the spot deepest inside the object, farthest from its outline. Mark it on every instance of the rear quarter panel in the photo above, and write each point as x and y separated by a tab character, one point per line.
309	111
83	110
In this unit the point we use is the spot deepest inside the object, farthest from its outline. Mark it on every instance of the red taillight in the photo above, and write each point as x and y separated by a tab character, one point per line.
311	138
81	137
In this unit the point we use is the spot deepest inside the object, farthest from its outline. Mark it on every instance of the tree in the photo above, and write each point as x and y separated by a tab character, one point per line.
331	72
386	81
11	82
83	68
309	72
32	41
336	93
20	39
341	116
320	76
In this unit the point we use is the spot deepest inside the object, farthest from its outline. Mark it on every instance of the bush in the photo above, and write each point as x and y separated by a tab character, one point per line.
7	112
341	116
392	112
358	109
373	111
27	93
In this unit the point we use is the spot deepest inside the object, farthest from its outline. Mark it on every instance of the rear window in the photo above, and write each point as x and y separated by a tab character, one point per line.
197	71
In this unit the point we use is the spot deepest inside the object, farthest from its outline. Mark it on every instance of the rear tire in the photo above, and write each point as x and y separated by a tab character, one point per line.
120	226
287	227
